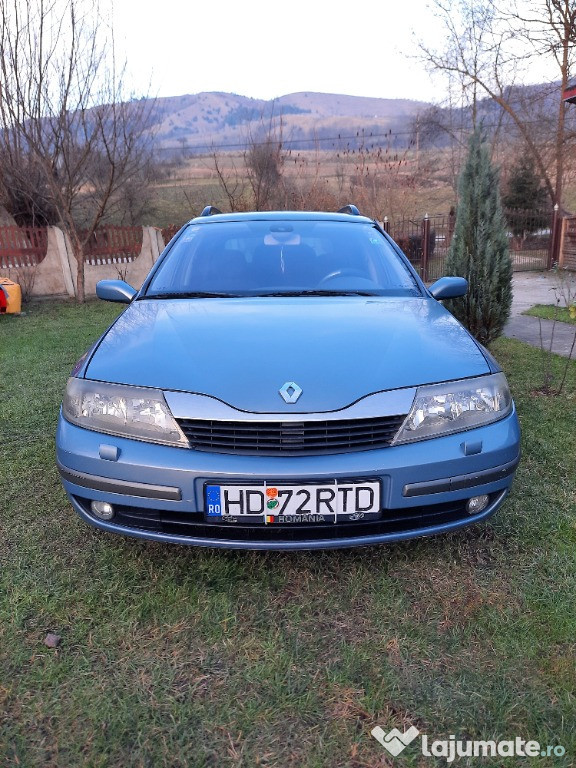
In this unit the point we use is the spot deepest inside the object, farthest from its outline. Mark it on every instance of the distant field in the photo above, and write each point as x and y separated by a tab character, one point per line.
383	188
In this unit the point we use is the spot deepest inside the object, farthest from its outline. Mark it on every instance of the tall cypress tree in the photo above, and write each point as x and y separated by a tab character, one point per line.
479	249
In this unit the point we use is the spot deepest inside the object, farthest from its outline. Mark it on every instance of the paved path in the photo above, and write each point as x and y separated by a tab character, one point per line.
530	288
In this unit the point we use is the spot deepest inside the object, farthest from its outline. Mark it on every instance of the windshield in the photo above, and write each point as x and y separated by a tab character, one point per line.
282	257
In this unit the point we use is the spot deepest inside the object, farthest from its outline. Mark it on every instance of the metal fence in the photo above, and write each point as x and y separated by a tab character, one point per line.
112	245
426	241
169	232
530	238
22	246
27	246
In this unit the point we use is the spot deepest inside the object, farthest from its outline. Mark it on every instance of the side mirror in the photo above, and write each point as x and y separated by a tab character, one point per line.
115	290
449	288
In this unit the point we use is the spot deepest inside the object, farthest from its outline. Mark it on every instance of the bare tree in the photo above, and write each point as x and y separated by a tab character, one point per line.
264	161
382	174
306	187
232	180
489	46
259	183
264	166
549	30
69	141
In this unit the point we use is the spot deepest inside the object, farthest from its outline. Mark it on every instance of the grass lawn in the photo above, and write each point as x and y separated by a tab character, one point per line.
183	657
551	312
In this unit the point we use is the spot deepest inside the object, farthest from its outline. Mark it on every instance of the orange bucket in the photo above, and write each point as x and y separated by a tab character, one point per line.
10	296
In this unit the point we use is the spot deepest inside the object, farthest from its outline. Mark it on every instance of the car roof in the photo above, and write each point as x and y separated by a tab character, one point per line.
282	216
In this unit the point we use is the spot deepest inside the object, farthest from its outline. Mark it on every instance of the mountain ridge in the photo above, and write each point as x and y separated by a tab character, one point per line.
213	119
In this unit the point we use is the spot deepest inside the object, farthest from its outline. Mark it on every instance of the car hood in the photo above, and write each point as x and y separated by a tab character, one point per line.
242	350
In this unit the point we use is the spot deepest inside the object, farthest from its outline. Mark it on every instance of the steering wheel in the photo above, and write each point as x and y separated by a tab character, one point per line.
341	273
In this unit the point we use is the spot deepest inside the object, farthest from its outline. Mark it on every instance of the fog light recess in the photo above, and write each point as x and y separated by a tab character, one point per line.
102	510
477	504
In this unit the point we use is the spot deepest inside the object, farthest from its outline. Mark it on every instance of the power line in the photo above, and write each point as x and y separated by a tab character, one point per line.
285	142
315	140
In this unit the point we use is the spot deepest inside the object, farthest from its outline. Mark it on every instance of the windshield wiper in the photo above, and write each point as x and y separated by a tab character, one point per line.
214	295
190	295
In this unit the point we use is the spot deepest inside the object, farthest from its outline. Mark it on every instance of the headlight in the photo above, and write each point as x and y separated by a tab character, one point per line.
455	406
116	409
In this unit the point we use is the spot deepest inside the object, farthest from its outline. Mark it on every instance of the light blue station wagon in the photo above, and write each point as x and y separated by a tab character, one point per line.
284	380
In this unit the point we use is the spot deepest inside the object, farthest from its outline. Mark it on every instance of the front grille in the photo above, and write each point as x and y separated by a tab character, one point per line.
290	438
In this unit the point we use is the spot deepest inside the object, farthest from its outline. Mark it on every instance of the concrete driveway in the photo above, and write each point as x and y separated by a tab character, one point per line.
530	288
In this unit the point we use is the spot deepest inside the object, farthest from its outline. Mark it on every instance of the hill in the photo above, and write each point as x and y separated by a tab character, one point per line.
202	121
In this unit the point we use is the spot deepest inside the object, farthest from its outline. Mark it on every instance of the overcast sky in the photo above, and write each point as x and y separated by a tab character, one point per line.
266	49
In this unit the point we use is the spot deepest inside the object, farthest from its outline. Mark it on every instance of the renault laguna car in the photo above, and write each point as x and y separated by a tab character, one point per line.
284	380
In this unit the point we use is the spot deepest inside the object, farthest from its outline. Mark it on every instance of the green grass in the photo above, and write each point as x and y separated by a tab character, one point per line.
551	312
174	656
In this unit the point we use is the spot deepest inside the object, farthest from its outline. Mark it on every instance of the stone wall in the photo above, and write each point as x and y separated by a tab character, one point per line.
56	274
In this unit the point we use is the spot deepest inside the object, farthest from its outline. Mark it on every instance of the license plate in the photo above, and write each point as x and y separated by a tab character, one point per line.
267	503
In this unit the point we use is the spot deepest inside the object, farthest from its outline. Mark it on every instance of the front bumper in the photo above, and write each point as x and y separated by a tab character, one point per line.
158	491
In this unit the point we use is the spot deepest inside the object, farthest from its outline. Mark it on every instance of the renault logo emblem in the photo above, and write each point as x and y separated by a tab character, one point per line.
290	392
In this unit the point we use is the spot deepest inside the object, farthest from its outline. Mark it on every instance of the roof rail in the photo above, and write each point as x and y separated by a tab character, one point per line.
351	209
210	210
